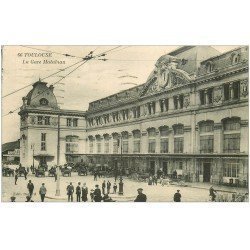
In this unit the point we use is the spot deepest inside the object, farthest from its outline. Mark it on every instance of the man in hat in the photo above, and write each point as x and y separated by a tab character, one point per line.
70	191
13	199
78	192
140	197
84	193
16	178
103	187
42	192
177	196
30	187
108	187
97	194
212	192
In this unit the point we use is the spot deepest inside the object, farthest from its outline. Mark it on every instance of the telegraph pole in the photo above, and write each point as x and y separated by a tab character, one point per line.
58	158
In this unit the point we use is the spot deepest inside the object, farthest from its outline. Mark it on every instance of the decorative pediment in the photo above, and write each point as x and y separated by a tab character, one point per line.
165	76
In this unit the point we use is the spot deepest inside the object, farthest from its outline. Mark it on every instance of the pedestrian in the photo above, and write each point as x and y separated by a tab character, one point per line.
212	194
97	194
84	193
177	196
42	192
92	194
103	187
108	187
70	191
55	175
16	178
30	187
25	174
140	197
155	180
78	192
95	175
28	169
150	180
114	188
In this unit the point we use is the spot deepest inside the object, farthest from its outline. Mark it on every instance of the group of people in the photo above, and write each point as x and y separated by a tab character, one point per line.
95	194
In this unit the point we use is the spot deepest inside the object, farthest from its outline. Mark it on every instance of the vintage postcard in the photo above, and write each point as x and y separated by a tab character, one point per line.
125	123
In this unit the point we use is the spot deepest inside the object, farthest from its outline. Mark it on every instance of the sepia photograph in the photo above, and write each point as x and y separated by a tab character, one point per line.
125	123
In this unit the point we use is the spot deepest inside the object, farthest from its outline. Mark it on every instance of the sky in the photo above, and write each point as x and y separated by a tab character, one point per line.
126	67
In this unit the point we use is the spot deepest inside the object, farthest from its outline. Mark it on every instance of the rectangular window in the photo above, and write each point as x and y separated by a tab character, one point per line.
207	144
75	122
231	143
178	145
236	90
40	120
175	102
181	100
210	96
202	97
43	137
164	145
47	120
69	120
231	170
226	92
43	142
151	146
125	147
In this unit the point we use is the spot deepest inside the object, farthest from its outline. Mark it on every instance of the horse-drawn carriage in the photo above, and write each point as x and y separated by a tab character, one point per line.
66	171
21	171
40	172
6	171
143	176
52	172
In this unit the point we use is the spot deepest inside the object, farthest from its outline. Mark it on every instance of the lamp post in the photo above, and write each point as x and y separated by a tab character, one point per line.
33	149
58	158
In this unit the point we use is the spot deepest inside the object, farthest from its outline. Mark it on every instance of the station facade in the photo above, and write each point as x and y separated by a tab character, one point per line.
191	116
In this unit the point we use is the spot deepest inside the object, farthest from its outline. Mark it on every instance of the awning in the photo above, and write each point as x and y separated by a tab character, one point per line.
47	156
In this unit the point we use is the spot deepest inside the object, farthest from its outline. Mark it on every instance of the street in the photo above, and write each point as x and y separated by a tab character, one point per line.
154	193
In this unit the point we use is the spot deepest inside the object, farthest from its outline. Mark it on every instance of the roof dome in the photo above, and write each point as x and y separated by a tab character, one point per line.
41	96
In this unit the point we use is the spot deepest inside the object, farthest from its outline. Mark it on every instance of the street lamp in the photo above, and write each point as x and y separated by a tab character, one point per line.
33	148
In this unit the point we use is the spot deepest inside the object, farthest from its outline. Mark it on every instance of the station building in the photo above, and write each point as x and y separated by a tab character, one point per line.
190	116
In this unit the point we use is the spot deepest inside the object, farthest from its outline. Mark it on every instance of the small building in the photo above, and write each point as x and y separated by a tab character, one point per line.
49	135
11	152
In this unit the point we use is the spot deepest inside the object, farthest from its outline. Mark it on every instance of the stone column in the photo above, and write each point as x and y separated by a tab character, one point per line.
218	138
144	142
130	143
171	141
157	142
206	97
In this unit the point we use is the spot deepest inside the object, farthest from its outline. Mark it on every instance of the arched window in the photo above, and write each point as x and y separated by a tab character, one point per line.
151	140
209	67
231	135
206	126
235	58
44	102
164	132
137	141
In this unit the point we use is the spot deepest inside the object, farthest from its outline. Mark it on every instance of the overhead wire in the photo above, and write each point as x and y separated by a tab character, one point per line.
86	59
